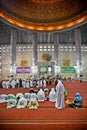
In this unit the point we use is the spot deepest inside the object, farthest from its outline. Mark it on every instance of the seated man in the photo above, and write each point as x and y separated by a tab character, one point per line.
77	103
33	104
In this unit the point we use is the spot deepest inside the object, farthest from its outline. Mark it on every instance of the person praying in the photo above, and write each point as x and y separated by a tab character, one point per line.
52	95
41	95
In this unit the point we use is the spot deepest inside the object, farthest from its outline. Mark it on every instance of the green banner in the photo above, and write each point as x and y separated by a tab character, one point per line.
68	69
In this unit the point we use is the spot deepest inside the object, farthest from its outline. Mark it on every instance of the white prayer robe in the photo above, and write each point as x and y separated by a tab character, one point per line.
13	83
27	96
59	104
52	95
22	103
7	84
38	83
41	95
33	96
4	84
27	84
44	83
23	83
41	83
31	83
3	98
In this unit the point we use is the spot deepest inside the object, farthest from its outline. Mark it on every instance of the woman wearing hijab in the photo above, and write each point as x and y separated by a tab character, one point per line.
41	95
77	103
52	95
59	104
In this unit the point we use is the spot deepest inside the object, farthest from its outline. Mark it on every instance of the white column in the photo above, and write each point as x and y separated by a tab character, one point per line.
0	62
78	52
56	54
13	53
34	56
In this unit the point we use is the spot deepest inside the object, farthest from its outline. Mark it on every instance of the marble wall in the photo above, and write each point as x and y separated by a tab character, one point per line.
27	55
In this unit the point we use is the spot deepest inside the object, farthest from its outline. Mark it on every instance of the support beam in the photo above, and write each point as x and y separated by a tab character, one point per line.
13	53
34	56
56	54
78	52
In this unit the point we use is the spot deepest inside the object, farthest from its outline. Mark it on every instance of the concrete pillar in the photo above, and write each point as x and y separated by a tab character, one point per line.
78	52
56	54
13	53
34	56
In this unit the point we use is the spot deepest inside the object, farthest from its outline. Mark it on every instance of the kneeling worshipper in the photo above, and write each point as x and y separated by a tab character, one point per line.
46	91
59	104
22	103
3	98
77	102
27	96
52	95
11	100
40	95
33	104
32	93
19	95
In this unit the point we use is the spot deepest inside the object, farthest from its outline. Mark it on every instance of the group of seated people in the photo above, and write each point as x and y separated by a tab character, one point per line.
29	99
26	83
32	98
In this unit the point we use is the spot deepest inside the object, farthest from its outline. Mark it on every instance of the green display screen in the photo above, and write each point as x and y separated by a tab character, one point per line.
68	69
43	69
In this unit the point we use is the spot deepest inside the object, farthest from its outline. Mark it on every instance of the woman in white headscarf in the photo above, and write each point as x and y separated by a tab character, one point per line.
59	104
41	95
22	103
52	95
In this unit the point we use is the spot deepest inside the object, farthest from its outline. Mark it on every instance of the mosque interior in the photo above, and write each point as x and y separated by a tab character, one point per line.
46	37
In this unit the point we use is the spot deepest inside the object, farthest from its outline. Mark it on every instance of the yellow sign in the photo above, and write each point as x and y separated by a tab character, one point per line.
66	62
47	57
24	63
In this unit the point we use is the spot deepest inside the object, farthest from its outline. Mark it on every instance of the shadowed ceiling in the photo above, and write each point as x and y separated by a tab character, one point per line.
44	14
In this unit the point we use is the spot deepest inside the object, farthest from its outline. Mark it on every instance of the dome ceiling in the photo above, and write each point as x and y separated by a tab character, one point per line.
44	14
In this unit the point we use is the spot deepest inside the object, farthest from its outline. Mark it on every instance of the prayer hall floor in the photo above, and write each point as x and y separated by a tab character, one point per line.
46	116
